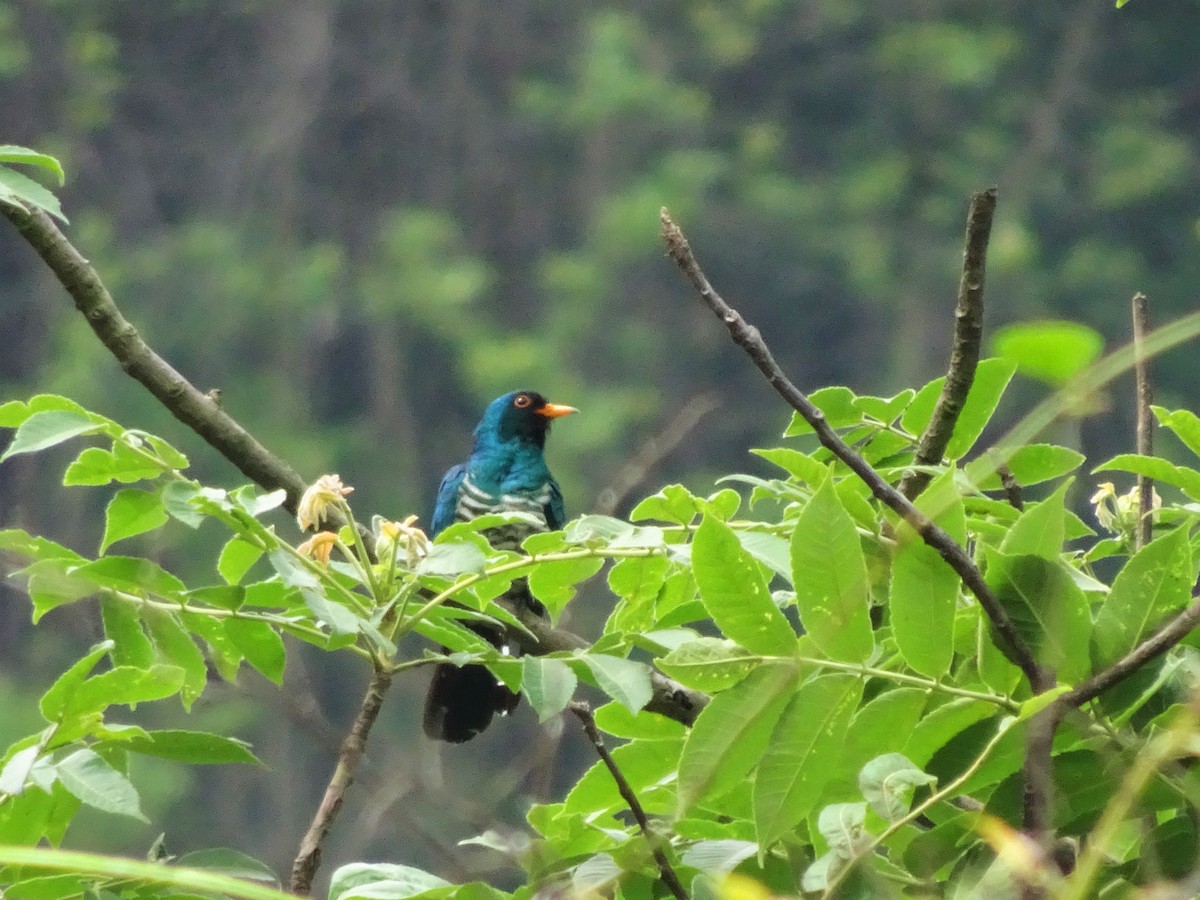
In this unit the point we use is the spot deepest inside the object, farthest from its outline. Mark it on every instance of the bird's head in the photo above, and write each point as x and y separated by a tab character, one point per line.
521	415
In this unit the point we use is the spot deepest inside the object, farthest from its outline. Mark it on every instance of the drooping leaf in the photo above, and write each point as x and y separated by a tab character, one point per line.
548	685
829	573
90	778
49	428
731	734
131	512
1046	607
260	645
176	647
237	556
735	594
1184	423
924	589
802	754
123	686
381	881
196	747
1182	477
60	694
625	680
1041	528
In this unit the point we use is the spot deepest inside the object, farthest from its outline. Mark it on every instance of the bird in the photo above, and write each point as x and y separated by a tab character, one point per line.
506	472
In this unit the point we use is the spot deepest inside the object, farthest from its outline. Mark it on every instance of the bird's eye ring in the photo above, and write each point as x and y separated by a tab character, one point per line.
521	401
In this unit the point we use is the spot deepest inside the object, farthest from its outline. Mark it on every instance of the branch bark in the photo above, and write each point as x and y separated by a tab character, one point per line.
750	340
964	353
308	859
584	713
190	406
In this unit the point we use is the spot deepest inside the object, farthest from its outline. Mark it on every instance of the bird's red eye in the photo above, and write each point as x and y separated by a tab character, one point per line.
521	401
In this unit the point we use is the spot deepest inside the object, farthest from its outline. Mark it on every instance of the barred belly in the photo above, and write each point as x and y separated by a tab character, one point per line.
474	502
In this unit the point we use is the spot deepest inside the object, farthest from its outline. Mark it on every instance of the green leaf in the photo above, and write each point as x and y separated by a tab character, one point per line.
837	403
733	591
124	686
885	409
381	881
843	825
1156	582
645	765
1184	423
548	685
618	721
197	747
1050	351
260	645
56	699
885	721
131	512
771	550
12	154
90	778
887	783
802	754
1048	610
937	727
924	589
799	465
94	466
18	190
175	646
829	569
451	559
1031	464
991	379
709	664
731	734
625	680
674	503
48	429
718	856
1041	529
237	556
1187	480
231	862
52	583
554	582
124	627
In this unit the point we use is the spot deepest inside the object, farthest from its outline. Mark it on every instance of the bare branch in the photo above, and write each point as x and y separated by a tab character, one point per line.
748	338
964	352
308	859
1154	646
197	410
1145	418
653	451
584	713
1012	488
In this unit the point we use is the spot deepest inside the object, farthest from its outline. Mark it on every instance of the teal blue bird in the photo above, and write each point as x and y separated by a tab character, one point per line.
505	473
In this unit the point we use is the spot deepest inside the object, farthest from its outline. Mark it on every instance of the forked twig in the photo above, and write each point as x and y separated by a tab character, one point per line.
583	712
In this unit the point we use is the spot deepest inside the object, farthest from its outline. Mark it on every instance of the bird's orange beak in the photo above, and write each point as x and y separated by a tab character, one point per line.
554	410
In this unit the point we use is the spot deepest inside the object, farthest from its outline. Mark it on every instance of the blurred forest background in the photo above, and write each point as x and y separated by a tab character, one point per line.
363	219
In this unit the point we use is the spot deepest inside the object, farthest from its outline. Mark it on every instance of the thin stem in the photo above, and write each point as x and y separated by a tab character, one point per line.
928	684
584	713
308	858
1145	417
920	809
749	339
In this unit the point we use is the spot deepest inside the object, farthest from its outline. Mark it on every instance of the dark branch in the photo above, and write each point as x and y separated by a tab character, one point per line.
748	338
1012	488
308	859
964	353
1154	646
195	409
584	713
1145	418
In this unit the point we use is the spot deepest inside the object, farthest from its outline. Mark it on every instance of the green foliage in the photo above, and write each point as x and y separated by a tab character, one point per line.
823	742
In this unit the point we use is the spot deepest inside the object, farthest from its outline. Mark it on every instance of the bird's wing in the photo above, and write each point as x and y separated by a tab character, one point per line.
446	505
556	514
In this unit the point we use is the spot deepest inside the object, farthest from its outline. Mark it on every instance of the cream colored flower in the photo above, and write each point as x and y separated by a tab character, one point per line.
404	539
319	547
1118	513
318	498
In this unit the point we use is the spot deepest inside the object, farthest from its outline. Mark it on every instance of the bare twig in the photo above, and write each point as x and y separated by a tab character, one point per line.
1145	418
653	451
1154	646
1012	488
1039	777
748	338
309	856
194	408
964	352
584	713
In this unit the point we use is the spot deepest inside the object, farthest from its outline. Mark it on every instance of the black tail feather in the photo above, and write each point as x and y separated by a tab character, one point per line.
462	700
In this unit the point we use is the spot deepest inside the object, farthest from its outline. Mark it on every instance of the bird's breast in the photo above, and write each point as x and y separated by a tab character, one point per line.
474	501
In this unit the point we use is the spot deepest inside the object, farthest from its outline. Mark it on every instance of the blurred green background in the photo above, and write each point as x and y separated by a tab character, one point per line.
363	219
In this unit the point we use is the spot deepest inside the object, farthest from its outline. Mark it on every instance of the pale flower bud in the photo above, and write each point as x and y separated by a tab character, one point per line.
404	539
317	499
319	547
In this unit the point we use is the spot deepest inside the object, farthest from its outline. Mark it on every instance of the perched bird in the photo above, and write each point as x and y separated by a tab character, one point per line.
505	473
